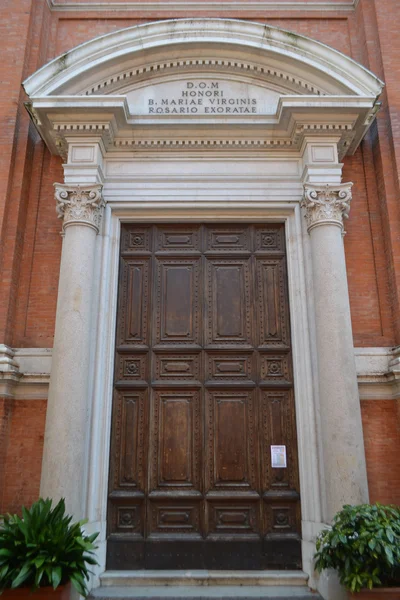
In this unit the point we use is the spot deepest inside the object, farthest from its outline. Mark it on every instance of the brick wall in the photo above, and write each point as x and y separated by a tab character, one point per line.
382	443
21	452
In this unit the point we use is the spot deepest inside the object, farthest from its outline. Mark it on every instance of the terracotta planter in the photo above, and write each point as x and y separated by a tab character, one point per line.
47	593
378	594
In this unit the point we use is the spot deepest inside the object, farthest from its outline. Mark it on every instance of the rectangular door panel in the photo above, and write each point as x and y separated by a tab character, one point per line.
176	440
229	302
178	239
231	442
177	316
272	303
175	517
228	239
128	444
134	302
279	429
224	367
233	517
178	366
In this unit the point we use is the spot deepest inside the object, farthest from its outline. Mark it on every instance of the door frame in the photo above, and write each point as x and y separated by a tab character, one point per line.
103	344
204	542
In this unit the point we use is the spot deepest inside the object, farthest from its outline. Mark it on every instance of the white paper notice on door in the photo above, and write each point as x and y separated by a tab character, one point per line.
278	457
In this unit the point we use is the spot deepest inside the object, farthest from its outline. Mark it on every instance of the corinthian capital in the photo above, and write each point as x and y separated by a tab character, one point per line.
79	205
326	204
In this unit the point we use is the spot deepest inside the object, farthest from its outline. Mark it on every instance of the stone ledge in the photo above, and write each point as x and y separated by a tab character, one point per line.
203	578
232	592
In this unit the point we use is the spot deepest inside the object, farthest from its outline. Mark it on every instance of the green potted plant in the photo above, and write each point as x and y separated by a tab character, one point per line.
363	545
43	552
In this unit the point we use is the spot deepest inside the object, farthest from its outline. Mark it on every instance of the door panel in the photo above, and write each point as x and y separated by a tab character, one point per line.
230	426
175	518
229	302
133	324
177	302
175	429
272	313
203	387
175	366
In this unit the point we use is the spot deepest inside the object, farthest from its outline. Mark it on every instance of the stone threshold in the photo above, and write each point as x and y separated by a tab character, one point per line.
203	578
232	592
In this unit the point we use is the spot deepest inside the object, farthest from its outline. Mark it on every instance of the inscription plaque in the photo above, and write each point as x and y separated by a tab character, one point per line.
205	96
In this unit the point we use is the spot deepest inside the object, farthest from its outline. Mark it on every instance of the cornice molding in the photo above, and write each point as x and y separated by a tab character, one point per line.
227	7
60	120
211	144
8	363
283	81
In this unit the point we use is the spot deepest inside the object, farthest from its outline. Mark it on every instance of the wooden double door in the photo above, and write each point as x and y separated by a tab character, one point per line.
203	388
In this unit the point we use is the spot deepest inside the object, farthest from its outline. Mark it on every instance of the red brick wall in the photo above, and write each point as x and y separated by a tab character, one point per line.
21	455
19	34
382	443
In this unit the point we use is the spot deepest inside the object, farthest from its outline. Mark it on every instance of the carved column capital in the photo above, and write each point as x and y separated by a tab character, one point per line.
79	205
326	204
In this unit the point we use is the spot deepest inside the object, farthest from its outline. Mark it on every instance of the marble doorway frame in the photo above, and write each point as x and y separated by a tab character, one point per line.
103	340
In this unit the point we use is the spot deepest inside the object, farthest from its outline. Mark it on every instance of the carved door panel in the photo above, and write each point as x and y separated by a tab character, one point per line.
203	388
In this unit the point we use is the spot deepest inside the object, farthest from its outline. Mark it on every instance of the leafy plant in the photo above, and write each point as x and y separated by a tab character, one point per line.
363	545
44	549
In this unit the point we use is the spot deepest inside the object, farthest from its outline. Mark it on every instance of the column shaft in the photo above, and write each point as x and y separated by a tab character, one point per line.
68	412
345	480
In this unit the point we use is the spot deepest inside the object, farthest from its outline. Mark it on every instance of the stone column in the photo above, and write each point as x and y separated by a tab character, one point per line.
344	479
68	411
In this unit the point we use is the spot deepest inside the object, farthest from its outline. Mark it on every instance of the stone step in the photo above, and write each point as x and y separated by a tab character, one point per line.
202	578
203	585
201	592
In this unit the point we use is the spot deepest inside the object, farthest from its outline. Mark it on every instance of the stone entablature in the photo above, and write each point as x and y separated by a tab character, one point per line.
108	119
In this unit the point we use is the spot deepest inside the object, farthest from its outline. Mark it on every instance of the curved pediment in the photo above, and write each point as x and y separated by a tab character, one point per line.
188	84
293	63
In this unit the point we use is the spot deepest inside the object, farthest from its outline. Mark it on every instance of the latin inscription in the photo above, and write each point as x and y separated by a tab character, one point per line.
206	98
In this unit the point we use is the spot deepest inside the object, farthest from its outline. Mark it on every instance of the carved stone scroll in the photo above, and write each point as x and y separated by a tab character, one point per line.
79	205
326	204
